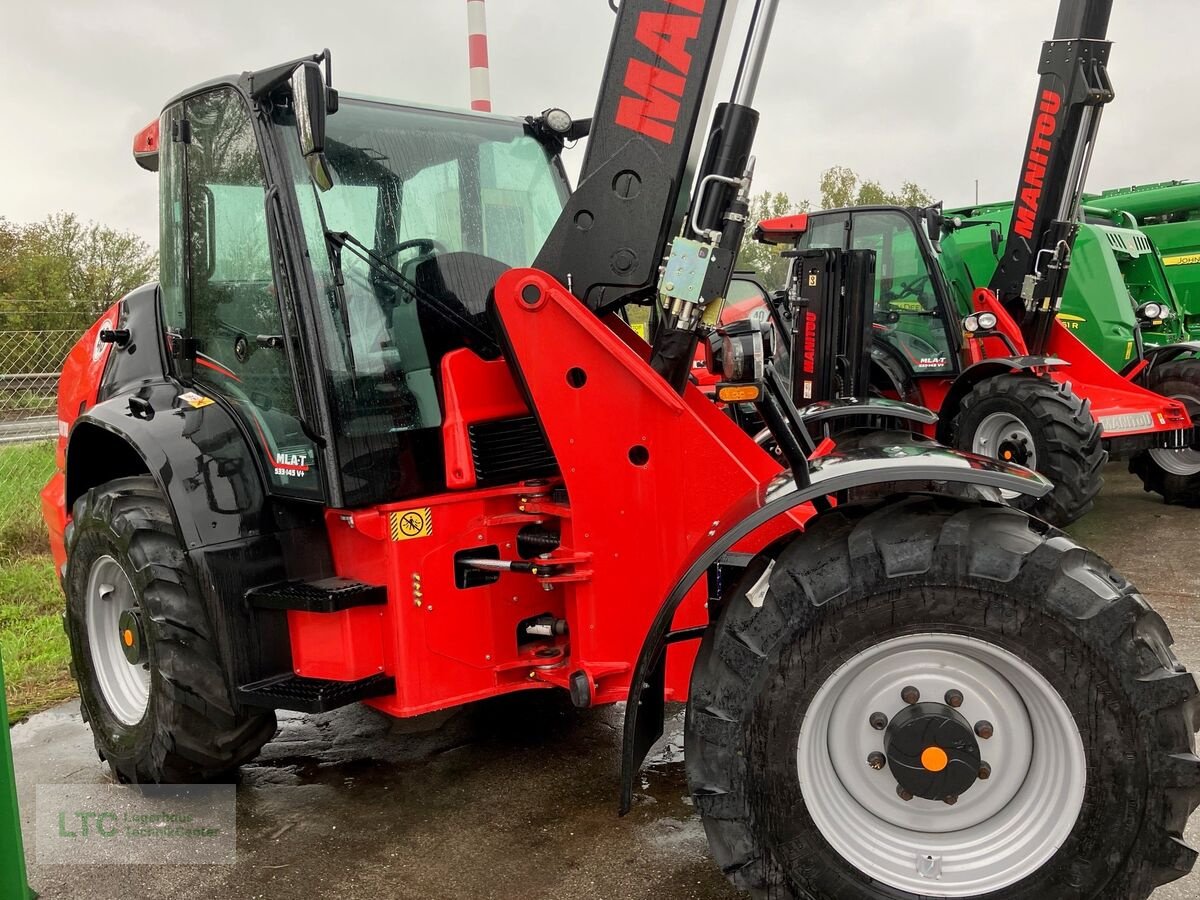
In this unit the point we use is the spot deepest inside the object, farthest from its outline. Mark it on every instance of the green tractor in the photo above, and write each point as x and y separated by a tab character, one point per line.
1118	293
1169	215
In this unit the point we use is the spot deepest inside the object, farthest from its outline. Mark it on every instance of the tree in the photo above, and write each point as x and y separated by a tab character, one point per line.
842	187
764	259
61	273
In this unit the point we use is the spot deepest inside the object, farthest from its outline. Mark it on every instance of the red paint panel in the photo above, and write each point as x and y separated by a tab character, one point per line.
473	390
343	646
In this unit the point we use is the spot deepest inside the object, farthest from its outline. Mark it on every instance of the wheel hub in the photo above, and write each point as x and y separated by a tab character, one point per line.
1014	450
132	637
932	751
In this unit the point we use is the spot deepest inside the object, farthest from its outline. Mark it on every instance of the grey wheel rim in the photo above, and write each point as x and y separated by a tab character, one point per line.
125	687
1184	463
1002	829
1005	437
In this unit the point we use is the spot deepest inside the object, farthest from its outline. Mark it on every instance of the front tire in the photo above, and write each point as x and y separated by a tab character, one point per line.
1060	656
143	650
1174	474
1042	424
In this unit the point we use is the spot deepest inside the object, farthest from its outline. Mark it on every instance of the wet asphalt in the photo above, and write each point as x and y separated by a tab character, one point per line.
508	799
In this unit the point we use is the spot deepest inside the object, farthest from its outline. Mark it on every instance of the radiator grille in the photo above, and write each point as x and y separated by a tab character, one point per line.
510	450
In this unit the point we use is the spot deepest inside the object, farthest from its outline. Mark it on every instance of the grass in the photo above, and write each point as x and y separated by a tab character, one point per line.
32	641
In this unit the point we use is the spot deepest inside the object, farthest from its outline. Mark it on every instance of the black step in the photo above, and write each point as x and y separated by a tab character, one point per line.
313	695
328	595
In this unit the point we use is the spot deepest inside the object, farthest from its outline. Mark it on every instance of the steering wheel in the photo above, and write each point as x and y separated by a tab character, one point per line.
431	245
908	288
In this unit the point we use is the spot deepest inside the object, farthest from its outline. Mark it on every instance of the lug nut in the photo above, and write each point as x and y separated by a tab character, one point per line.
903	794
950	800
983	728
879	721
910	695
985	771
876	760
954	699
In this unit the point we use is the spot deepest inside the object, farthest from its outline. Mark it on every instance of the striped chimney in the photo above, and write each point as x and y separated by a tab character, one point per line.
481	82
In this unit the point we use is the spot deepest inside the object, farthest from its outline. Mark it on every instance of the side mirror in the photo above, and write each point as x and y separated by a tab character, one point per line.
995	242
311	107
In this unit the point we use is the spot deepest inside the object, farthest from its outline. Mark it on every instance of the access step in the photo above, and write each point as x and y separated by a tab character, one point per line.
328	595
313	695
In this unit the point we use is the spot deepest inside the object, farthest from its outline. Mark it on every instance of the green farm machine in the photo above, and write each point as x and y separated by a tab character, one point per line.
1168	214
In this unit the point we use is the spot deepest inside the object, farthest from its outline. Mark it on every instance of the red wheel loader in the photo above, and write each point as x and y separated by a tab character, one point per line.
1006	377
380	434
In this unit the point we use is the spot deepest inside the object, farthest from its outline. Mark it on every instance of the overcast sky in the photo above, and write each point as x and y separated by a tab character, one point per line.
936	91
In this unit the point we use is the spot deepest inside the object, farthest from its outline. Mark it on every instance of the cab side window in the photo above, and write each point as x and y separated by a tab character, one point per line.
234	315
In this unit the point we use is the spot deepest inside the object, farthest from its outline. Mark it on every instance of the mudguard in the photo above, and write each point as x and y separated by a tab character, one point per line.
1165	354
194	449
918	467
871	407
980	371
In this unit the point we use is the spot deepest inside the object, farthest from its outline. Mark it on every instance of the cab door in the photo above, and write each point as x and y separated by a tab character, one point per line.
232	307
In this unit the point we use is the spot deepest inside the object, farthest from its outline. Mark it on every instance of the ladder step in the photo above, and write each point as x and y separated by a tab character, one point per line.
312	695
328	595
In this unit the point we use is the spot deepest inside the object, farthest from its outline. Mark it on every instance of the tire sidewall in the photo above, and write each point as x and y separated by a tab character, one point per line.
1111	811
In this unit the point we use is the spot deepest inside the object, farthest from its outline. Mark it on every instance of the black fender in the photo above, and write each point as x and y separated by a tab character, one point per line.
890	371
194	448
988	368
195	451
922	467
1165	354
871	407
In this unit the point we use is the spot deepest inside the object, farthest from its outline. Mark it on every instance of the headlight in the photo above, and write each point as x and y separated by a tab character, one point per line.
558	120
1152	311
971	324
988	321
742	354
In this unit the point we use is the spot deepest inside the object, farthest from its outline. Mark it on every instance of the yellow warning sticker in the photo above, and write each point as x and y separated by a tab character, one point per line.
411	523
1188	259
196	401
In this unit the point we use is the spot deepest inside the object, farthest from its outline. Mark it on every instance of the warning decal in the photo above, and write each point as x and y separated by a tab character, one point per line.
411	523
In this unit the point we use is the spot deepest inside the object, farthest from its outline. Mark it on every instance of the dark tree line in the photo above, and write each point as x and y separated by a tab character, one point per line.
61	273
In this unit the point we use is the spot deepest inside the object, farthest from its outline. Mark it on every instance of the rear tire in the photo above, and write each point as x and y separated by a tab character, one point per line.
182	724
983	576
1064	440
1175	475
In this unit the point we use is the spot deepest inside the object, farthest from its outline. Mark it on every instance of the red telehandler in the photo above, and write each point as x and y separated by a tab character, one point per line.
1009	381
380	433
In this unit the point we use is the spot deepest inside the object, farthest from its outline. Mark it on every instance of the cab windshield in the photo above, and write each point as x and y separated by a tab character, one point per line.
431	195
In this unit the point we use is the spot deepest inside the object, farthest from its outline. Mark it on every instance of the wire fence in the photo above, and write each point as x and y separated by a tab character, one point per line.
30	361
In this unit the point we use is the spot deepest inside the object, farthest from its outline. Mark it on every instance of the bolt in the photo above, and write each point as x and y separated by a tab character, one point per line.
983	728
903	793
954	699
910	695
879	721
876	760
950	799
985	771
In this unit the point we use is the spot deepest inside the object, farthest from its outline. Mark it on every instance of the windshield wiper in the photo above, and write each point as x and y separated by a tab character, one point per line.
343	239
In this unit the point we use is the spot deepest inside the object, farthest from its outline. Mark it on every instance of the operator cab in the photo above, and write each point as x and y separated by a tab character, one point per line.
404	229
913	327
